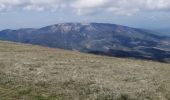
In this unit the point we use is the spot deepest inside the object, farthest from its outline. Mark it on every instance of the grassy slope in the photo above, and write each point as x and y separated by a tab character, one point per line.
36	73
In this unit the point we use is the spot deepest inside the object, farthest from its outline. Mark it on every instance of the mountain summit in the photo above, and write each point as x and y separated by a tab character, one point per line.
97	38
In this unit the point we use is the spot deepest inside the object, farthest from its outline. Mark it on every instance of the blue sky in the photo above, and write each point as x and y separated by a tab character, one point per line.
149	14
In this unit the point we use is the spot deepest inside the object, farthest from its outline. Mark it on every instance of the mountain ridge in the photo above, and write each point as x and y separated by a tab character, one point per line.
97	38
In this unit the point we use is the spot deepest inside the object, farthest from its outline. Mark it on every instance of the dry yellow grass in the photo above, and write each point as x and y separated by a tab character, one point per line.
37	73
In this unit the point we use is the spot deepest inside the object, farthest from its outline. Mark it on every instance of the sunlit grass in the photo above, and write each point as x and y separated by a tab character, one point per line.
36	73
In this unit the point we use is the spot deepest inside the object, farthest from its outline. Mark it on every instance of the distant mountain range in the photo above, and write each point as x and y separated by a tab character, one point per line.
96	38
165	31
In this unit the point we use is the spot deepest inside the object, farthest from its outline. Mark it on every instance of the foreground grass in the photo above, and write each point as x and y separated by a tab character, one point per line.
36	73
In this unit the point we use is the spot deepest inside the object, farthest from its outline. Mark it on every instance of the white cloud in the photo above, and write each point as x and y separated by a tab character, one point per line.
118	7
121	7
83	4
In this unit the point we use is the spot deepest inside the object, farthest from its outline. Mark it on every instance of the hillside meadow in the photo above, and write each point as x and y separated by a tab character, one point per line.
30	72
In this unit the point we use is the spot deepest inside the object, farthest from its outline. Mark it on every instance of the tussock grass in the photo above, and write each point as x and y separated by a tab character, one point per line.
36	73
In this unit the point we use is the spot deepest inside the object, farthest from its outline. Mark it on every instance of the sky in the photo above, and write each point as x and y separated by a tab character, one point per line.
150	14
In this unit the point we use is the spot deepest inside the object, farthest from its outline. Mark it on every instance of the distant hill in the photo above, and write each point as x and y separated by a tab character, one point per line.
163	32
30	72
96	38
